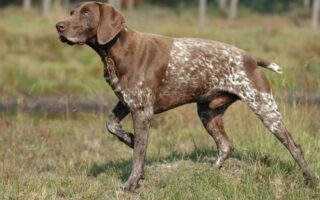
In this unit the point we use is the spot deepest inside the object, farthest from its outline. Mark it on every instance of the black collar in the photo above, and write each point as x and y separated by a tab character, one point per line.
102	50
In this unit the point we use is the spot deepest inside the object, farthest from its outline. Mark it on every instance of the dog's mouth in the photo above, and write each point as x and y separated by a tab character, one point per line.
64	39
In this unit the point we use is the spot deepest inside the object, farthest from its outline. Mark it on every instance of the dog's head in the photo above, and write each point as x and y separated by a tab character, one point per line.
90	20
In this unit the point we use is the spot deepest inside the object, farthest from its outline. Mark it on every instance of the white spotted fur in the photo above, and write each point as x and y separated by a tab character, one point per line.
274	67
219	66
226	76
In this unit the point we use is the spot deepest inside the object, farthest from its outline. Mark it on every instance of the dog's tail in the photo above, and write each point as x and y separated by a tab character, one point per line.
268	65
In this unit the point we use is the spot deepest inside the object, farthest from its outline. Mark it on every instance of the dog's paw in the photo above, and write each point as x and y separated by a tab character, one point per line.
129	187
310	181
218	162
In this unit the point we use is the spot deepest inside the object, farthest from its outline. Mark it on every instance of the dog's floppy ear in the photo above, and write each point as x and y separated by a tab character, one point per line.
110	24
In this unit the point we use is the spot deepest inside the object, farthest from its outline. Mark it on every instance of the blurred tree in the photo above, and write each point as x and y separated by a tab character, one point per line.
306	3
269	6
26	5
115	3
66	3
260	6
233	9
202	12
315	14
130	5
223	5
172	3
58	4
46	4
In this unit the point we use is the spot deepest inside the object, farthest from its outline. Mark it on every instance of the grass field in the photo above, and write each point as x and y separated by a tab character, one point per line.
72	157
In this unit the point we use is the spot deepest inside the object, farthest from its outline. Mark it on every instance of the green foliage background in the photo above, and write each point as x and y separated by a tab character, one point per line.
263	6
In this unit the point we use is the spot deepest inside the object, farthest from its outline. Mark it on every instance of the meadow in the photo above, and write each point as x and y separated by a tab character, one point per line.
73	156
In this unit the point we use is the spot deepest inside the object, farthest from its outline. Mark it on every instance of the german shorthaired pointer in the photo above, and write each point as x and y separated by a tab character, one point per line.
151	74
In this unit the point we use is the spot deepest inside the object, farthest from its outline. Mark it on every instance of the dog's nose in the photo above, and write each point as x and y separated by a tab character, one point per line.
61	26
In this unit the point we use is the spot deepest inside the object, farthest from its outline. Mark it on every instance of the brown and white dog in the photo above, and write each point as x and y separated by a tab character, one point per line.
151	74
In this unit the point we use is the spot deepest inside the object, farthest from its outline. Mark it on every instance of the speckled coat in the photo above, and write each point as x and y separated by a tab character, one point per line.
195	70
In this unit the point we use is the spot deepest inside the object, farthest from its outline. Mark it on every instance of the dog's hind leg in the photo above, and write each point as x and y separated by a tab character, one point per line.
264	105
119	112
211	115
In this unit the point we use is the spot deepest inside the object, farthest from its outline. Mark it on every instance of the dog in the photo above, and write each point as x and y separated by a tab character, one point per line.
151	74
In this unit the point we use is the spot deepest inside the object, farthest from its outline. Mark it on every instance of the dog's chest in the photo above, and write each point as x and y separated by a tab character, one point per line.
110	75
134	96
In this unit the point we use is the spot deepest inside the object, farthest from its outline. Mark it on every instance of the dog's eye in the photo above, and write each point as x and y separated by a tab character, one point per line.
72	12
85	12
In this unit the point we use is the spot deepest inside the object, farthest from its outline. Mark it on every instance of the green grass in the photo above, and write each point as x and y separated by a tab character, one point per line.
44	157
74	158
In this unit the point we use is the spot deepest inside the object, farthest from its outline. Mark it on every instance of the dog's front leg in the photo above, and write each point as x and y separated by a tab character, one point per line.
119	112
141	121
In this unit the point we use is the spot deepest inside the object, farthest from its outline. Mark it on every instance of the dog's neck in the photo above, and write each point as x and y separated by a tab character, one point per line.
119	45
102	50
117	55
